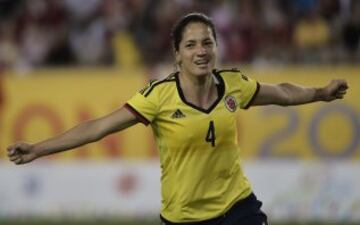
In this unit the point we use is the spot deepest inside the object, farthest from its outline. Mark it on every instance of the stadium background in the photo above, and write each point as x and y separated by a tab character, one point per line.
63	62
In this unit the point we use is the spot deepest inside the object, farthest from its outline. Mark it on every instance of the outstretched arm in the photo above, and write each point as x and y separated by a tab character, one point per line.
287	94
84	133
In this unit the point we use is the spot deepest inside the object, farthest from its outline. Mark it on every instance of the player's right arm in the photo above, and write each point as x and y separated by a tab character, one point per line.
84	133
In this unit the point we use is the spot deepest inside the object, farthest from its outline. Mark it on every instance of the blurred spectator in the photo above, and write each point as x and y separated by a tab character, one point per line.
275	39
311	36
118	20
222	15
89	42
130	33
303	6
40	26
351	34
9	54
79	10
88	35
243	37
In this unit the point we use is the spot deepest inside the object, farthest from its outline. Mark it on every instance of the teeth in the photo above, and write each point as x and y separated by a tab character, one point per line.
200	62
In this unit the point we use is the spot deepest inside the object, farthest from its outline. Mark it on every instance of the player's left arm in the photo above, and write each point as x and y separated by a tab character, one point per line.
287	94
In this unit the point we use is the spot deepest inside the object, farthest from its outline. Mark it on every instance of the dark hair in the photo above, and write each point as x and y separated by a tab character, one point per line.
178	29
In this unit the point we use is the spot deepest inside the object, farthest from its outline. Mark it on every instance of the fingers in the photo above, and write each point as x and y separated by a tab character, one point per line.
341	90
343	86
15	158
19	147
340	94
13	155
340	84
337	89
18	161
16	152
11	149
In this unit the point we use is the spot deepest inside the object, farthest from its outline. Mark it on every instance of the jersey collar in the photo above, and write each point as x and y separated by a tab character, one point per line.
220	90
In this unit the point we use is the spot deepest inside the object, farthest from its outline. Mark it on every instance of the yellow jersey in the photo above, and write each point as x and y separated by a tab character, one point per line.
201	176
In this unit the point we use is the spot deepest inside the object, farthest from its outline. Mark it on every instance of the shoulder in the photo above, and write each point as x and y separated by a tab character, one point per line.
233	73
158	84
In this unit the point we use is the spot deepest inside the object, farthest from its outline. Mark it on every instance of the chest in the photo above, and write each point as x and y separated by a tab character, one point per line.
181	123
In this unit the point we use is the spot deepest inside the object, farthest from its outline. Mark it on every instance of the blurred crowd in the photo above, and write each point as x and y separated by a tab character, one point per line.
129	33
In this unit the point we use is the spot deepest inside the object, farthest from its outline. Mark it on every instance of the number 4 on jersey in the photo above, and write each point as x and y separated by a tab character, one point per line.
210	136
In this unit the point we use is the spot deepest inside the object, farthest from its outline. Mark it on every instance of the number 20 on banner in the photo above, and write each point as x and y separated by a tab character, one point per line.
316	138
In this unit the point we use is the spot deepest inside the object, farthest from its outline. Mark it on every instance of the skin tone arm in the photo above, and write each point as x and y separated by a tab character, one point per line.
287	94
84	133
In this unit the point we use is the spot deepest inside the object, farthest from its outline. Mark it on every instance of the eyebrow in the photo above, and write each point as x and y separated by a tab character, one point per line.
192	40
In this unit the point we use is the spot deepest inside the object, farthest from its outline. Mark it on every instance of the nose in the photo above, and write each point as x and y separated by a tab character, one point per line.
201	50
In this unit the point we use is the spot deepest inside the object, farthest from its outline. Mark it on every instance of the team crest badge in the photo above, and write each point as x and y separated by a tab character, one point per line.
230	103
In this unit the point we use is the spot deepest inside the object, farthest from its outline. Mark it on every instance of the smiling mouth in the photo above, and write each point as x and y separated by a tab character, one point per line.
202	62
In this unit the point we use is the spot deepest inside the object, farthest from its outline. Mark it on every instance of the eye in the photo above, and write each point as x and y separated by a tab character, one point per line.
208	43
189	45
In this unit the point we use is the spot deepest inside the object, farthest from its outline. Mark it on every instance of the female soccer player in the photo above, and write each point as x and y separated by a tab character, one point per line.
192	114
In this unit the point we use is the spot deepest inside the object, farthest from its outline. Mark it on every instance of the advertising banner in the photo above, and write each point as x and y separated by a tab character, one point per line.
46	103
318	131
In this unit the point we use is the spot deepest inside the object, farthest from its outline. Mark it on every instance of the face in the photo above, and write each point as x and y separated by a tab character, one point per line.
197	50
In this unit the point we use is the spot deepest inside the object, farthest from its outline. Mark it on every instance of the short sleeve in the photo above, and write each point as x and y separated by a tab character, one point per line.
248	89
143	106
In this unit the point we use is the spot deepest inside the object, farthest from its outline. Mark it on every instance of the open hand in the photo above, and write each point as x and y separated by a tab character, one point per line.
21	153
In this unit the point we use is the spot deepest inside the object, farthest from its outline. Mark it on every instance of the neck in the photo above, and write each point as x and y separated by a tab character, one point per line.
200	91
196	81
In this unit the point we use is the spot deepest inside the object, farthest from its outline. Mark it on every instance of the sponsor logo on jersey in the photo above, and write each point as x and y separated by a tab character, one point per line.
177	114
230	103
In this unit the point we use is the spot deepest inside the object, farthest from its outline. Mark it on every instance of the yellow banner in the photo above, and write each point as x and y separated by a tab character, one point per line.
48	102
313	131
